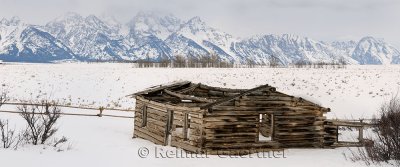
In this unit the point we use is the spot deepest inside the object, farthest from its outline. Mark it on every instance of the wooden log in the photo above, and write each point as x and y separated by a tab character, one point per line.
299	123
148	135
186	147
298	133
269	144
185	126
313	128
239	152
191	88
152	115
229	130
154	128
361	134
168	127
223	100
253	118
229	126
348	123
273	128
212	124
251	134
206	87
187	97
192	110
266	103
254	112
281	109
231	140
152	121
180	135
161	87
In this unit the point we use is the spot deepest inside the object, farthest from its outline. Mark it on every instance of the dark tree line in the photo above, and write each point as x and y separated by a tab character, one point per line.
179	61
213	60
340	63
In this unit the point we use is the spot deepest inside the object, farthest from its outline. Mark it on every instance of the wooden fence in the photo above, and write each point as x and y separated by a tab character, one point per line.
333	127
100	109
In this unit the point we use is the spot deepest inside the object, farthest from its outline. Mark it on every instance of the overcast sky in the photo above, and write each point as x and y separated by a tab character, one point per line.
318	19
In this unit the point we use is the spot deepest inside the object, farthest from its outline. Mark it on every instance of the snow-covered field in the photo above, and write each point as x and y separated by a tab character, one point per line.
352	93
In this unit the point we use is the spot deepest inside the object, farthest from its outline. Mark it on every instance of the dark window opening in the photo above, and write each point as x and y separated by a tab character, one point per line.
144	116
186	126
266	128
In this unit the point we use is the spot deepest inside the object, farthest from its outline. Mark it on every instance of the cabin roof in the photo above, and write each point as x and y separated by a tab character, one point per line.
178	89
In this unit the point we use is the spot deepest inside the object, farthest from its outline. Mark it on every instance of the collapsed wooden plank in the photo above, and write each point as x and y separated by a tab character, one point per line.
236	96
188	97
161	87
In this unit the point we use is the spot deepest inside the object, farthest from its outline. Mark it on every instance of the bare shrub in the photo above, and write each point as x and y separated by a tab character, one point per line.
6	134
59	141
179	62
204	61
384	146
164	62
301	63
214	58
8	137
3	97
250	63
342	62
41	120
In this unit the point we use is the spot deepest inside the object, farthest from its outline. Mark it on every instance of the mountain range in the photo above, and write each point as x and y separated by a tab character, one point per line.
150	35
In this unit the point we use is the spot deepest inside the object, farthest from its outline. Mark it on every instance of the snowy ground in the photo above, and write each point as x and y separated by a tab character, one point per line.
354	92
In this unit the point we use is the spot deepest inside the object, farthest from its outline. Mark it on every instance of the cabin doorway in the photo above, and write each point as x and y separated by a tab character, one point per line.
168	127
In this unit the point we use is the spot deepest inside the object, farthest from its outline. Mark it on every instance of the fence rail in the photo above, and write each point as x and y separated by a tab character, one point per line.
67	106
100	109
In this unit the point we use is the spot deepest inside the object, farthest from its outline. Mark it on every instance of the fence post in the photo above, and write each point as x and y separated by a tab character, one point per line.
361	133
101	111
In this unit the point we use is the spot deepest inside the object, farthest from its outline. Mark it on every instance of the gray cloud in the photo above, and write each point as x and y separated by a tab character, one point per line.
318	19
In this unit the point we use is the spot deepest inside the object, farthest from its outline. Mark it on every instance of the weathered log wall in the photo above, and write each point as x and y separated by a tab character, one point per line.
237	125
299	130
234	131
331	136
185	124
154	130
187	131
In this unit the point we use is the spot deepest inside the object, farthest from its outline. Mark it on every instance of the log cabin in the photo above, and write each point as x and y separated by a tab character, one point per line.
213	120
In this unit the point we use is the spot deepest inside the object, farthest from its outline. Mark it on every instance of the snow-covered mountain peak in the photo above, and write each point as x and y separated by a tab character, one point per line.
195	37
370	50
344	43
113	23
69	17
196	21
93	19
96	23
89	37
291	37
153	23
369	40
14	21
195	25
